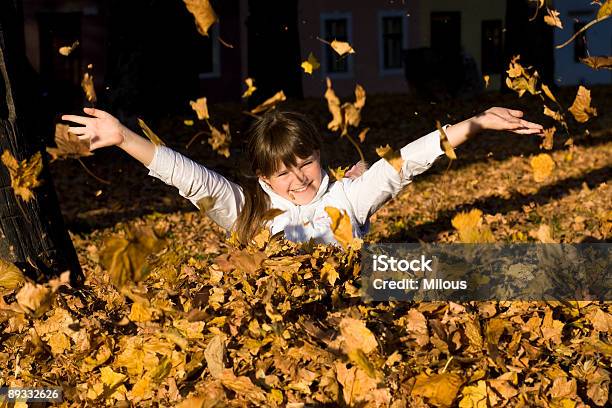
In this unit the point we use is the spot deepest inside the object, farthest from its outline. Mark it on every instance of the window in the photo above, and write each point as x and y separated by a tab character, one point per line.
207	56
336	26
580	43
492	49
392	42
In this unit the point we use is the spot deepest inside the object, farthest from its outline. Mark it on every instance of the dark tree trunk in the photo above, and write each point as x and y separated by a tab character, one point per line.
532	40
274	48
32	234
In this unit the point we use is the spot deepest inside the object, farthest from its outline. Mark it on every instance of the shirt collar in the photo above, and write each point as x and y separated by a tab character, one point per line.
282	203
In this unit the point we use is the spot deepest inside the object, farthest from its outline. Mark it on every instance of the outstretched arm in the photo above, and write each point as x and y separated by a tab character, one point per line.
103	130
381	182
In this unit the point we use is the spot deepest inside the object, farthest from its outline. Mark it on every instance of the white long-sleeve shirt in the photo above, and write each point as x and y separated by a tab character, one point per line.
359	197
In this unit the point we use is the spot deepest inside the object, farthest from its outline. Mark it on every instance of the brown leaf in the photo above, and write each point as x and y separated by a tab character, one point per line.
35	299
68	145
547	138
203	13
150	134
333	104
67	50
340	226
11	276
358	387
552	18
24	174
220	141
215	353
548	92
270	103
598	62
581	108
242	386
474	396
206	204
605	9
448	148
342	47
362	134
357	336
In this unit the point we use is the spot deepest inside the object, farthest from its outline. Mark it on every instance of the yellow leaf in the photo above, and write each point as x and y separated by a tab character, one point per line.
393	157
362	134
340	226
150	134
310	64
188	122
140	312
552	18
58	342
220	141
88	86
470	228
342	47
113	382
542	166
24	174
448	148
270	103
329	273
200	107
474	396
203	13
66	51
553	114
486	79
11	277
333	104
598	62
547	142
357	336
605	9
581	108
250	87
515	69
243	386
338	172
440	389
358	387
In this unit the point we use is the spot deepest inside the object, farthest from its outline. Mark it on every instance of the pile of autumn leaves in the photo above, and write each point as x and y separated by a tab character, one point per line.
278	324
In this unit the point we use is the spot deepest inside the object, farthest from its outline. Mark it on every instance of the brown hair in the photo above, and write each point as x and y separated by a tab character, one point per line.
274	138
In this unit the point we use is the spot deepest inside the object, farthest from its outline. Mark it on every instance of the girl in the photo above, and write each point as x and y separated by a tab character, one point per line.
284	156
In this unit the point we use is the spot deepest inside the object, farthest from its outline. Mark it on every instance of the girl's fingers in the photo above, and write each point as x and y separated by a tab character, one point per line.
516	113
77	130
77	119
95	112
528	124
84	137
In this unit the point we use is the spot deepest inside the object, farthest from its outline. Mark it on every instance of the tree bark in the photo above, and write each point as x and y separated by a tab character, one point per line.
32	233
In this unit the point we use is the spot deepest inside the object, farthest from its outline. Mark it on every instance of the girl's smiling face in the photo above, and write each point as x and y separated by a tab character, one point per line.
300	183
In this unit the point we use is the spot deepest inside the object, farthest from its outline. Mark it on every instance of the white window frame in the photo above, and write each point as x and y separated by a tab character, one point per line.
216	54
381	52
335	15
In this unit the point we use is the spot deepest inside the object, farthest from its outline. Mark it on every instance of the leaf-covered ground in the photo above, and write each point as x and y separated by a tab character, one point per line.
280	324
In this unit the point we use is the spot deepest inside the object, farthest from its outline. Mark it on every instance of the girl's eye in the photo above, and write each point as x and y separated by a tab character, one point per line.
281	174
306	163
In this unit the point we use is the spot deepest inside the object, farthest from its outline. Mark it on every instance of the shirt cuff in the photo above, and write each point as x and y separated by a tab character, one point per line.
155	163
420	154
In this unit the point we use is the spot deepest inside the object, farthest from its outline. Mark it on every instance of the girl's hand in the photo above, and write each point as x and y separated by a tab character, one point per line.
506	119
102	130
357	170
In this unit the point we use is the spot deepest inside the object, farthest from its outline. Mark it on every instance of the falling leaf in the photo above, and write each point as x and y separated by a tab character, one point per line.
486	79
342	47
67	50
250	87
340	226
440	389
542	166
333	104
547	142
548	93
188	122
24	174
125	258
598	62
448	148
11	276
203	13
519	79
553	114
552	18
362	134
581	108
69	146
310	64
88	87
605	9
515	69
393	157
150	134
206	204
270	103
338	172
200	107
474	396
470	227
220	140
